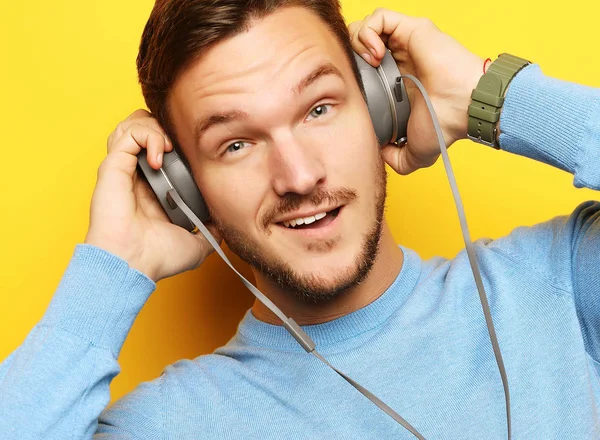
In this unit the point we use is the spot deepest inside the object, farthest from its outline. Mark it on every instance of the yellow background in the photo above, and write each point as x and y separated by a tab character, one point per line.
67	77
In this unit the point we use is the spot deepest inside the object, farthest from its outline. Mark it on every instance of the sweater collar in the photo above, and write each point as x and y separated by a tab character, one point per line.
373	315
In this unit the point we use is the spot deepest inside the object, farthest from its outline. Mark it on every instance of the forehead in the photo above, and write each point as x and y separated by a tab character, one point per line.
265	60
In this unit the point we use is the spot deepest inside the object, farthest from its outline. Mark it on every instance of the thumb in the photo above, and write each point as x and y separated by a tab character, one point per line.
400	158
203	241
214	231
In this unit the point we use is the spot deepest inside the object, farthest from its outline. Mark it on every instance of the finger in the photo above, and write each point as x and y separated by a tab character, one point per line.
147	122
205	245
384	22
370	41
357	45
146	118
121	166
400	159
138	136
214	231
137	116
141	117
140	113
152	122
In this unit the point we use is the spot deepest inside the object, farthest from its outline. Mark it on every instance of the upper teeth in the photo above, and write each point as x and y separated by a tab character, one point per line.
304	220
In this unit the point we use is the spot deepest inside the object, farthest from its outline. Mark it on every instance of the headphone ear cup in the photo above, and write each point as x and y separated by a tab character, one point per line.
174	174
386	98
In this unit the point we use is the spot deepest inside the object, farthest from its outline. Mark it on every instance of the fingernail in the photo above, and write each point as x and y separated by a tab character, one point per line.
159	159
368	58
373	51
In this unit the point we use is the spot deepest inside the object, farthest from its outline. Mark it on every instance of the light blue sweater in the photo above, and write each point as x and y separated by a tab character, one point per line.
422	346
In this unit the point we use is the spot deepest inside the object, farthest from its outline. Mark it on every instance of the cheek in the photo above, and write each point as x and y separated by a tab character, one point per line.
356	152
233	197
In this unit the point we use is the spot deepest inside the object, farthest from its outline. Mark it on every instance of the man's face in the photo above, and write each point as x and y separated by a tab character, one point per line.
275	129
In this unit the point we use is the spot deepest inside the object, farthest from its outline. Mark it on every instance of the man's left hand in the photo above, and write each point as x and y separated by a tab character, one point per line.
448	71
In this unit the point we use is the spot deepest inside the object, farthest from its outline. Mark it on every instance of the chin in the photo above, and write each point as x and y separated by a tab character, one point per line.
325	283
317	279
341	262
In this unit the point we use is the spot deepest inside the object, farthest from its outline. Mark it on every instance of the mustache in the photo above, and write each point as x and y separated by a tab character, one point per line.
292	201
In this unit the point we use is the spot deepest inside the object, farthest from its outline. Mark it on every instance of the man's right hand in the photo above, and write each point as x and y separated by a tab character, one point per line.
126	219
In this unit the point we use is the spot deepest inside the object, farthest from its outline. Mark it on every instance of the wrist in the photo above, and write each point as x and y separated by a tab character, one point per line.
133	259
472	75
488	99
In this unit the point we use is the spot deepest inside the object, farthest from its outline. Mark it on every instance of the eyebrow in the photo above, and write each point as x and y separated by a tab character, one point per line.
204	124
318	73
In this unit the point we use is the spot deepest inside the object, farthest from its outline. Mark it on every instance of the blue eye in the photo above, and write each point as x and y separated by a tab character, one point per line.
236	146
319	110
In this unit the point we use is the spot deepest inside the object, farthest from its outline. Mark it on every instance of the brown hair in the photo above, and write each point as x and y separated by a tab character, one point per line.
179	31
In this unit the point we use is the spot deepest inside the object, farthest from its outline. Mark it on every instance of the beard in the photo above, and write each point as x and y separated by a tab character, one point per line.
309	288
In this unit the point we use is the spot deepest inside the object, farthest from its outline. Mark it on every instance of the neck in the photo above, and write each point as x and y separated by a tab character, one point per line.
385	269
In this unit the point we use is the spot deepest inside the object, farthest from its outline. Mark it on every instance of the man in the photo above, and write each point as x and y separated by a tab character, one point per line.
262	98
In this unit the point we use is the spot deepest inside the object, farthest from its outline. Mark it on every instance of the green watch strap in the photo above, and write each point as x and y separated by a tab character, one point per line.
488	97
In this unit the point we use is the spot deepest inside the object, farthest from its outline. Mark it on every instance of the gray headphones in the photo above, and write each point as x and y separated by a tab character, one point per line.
388	107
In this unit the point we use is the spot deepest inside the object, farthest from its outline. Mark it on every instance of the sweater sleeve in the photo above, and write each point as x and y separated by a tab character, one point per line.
558	123
555	122
138	415
56	384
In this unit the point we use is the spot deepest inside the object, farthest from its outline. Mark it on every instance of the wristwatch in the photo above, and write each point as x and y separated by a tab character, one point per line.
488	97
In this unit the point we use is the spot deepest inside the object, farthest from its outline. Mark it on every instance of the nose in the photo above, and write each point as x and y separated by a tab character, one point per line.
297	164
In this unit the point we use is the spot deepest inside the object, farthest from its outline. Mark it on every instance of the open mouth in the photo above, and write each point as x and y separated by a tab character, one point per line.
314	221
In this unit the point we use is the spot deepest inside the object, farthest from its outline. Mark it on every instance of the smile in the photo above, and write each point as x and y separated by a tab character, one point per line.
314	221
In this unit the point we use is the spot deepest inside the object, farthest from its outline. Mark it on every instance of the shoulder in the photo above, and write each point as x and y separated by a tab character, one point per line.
195	382
544	251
